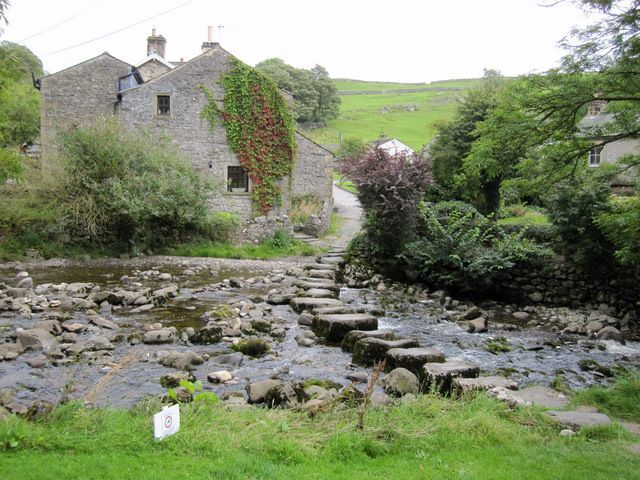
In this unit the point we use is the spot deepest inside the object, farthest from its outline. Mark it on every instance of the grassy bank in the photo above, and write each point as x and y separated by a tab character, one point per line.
431	438
263	251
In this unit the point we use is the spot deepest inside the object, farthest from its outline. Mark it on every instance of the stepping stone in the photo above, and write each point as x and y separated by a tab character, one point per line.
368	351
317	283
575	420
631	427
305	303
412	358
331	260
333	327
343	309
544	397
320	293
461	385
328	274
441	375
320	266
350	339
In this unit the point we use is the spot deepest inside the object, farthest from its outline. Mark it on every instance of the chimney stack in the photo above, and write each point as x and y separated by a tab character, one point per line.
209	44
156	44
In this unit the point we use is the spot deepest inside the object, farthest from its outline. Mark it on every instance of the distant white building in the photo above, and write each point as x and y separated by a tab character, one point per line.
395	147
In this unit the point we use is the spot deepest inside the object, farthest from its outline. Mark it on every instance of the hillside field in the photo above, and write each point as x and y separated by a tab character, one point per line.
406	111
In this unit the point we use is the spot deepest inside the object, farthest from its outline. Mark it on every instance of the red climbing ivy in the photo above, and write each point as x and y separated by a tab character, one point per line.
260	130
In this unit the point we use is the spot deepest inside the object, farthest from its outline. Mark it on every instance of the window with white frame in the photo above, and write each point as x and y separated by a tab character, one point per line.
594	156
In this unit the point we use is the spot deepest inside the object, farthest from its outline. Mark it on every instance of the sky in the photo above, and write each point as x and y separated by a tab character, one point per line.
401	40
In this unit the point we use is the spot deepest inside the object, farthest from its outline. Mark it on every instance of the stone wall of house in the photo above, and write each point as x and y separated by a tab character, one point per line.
613	151
207	149
78	96
151	69
560	284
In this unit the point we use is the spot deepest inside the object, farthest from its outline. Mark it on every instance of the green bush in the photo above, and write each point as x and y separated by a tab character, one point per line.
221	227
573	208
621	225
11	165
129	188
461	249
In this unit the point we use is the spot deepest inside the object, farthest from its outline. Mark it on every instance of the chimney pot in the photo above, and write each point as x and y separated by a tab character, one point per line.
210	34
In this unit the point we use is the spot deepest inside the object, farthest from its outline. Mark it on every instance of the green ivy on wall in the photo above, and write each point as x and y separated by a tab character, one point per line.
260	130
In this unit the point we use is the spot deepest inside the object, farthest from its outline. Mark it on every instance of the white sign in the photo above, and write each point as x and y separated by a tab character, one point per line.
167	422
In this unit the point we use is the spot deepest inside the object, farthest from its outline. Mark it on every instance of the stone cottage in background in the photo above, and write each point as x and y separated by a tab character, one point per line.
166	97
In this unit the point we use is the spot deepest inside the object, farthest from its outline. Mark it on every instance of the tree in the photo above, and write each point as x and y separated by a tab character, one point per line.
314	93
453	143
4	6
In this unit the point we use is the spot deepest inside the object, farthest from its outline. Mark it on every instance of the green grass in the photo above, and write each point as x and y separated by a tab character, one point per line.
432	438
622	400
263	251
335	222
368	115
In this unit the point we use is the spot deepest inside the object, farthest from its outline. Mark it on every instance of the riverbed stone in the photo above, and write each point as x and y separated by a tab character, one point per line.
163	294
229	359
26	282
306	338
173	379
350	339
305	319
287	395
510	397
10	351
305	303
143	308
103	322
544	396
462	385
258	390
35	339
280	298
180	360
164	335
333	327
221	376
610	333
400	381
412	358
51	326
441	375
576	420
208	335
368	351
477	325
358	377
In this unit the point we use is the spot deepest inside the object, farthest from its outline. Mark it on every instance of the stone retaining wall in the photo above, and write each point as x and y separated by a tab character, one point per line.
615	293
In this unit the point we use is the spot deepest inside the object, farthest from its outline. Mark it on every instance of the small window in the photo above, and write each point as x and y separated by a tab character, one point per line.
237	180
594	156
164	105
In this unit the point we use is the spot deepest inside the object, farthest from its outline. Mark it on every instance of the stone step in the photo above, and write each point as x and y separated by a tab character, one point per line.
576	419
328	274
333	327
412	358
320	293
440	375
320	266
317	283
462	385
331	260
544	397
350	339
305	303
343	309
368	351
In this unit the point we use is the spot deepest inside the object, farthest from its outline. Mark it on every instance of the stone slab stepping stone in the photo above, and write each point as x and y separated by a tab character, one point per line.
342	309
320	266
368	351
333	327
412	358
544	397
350	339
320	293
317	283
441	375
462	385
331	260
328	274
631	427
577	419
305	303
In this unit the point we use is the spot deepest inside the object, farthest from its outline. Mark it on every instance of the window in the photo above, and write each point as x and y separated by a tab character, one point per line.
164	105
237	180
594	156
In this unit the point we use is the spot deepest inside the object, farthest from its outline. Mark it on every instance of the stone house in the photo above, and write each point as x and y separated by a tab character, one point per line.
166	97
605	151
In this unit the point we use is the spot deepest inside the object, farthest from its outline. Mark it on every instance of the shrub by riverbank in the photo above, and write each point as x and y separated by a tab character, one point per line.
427	438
